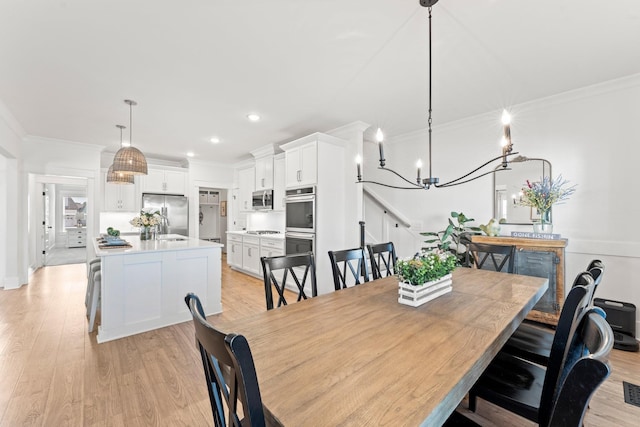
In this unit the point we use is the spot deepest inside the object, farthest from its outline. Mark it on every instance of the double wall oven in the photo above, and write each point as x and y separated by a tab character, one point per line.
300	223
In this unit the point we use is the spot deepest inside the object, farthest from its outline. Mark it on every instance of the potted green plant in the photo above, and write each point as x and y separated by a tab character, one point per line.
425	276
455	238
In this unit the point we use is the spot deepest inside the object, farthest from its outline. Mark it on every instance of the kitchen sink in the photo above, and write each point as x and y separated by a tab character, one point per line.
172	238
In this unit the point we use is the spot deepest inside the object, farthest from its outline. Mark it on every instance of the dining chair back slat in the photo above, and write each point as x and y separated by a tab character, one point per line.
501	257
383	259
277	270
349	267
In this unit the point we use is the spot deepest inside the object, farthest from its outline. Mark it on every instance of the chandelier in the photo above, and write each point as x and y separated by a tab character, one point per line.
130	160
431	181
119	177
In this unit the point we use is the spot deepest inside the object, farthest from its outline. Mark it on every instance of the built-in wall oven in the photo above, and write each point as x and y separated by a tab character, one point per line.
300	223
300	210
299	243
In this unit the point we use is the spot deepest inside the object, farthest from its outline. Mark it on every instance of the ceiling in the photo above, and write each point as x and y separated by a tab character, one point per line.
198	67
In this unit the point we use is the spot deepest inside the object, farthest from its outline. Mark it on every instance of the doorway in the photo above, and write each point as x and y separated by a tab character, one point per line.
61	213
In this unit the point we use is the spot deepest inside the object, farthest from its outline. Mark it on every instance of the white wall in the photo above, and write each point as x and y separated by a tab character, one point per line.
11	221
591	136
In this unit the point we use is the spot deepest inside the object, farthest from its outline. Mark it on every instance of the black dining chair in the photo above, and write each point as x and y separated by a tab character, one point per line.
349	260
527	388
563	400
532	340
229	371
278	269
383	259
490	257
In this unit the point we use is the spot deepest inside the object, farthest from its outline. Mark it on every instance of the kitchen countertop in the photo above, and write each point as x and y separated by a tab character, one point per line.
276	236
165	243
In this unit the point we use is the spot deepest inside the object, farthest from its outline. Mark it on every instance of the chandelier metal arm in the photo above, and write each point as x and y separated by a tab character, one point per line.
397	187
457	182
449	183
400	176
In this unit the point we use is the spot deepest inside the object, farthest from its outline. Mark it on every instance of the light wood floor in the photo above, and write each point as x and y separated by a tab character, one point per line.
53	373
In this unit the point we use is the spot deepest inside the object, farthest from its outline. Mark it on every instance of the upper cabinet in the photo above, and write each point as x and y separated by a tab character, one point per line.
278	182
264	173
167	181
118	197
246	181
301	165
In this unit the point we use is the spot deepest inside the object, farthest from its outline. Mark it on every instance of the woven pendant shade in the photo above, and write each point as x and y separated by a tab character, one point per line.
119	177
131	161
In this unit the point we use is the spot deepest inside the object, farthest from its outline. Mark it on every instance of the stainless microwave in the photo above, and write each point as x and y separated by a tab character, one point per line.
262	200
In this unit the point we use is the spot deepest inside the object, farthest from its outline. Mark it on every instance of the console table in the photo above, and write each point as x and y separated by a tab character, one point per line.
540	258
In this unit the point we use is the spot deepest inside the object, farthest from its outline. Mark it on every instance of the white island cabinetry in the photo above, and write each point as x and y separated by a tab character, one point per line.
143	287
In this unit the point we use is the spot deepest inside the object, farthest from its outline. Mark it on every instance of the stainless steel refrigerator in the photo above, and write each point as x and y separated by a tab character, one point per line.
174	211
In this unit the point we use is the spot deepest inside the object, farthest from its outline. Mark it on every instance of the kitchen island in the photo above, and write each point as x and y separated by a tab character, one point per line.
143	286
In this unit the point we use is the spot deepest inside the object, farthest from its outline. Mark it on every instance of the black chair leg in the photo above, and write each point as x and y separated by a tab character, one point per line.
472	402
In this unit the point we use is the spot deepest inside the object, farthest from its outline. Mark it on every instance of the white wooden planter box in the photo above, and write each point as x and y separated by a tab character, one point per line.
417	295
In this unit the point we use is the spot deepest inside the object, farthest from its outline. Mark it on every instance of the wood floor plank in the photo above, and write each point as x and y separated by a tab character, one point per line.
55	373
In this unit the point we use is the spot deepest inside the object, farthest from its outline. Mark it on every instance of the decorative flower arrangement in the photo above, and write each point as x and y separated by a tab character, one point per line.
543	194
147	218
426	266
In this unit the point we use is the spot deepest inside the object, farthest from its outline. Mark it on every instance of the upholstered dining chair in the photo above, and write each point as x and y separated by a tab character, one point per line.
529	389
278	269
353	261
229	371
491	257
383	259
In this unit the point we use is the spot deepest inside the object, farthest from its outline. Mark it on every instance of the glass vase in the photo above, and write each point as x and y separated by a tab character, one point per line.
145	233
545	225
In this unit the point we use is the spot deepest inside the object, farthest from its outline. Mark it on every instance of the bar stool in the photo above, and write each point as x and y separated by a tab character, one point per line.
94	267
94	299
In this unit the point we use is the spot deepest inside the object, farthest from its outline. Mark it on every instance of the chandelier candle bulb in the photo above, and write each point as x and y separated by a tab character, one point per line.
358	166
419	166
380	138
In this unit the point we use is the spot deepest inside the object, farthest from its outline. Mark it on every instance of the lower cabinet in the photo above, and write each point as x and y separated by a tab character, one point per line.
234	251
539	258
244	251
76	237
251	254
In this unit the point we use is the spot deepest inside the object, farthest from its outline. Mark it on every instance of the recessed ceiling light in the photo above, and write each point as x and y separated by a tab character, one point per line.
253	117
215	140
190	154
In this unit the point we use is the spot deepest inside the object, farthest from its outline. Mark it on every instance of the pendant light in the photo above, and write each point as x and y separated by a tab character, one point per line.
420	183
130	160
119	177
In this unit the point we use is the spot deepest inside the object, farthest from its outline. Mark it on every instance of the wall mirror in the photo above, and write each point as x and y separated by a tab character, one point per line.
507	186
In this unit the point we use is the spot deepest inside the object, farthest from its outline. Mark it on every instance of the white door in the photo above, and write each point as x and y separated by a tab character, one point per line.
46	227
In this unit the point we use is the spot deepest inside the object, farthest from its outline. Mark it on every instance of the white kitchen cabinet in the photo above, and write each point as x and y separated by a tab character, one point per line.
264	173
118	197
278	183
234	250
245	188
271	247
251	254
76	237
164	181
301	165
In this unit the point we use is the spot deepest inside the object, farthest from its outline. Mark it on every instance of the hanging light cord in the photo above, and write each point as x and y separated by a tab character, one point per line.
426	183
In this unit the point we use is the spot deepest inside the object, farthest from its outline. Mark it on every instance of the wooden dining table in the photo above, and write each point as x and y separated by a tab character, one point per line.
357	357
